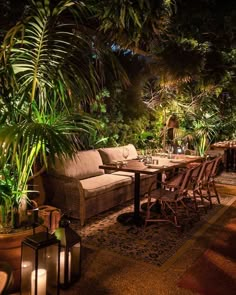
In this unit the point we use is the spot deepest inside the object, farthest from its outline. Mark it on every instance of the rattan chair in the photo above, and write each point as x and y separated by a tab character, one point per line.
171	199
209	190
203	186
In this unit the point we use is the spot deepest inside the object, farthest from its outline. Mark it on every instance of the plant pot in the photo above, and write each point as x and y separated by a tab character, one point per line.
10	252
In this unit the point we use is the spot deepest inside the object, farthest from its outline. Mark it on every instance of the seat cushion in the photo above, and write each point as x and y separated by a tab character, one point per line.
103	183
131	174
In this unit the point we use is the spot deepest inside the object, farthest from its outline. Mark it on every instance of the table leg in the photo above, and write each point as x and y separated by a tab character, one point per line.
133	218
136	196
157	207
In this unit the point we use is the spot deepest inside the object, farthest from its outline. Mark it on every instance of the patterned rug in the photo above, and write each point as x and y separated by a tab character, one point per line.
154	244
226	178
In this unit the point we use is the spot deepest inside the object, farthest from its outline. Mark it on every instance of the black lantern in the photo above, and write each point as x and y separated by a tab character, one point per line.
70	255
40	264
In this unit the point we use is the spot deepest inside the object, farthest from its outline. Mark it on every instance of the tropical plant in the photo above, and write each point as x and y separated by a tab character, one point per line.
40	74
204	132
136	25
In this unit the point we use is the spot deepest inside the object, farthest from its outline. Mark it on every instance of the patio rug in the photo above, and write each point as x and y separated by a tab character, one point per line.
226	178
214	273
154	244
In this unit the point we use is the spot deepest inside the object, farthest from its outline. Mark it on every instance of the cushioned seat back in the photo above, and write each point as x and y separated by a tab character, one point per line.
112	154
84	164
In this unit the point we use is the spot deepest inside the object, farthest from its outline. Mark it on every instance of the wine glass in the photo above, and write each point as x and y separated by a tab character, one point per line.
170	150
184	147
125	154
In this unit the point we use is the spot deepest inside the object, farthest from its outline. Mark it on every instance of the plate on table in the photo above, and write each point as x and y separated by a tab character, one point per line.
190	156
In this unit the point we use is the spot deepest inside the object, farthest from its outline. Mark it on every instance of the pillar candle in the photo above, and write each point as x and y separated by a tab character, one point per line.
42	282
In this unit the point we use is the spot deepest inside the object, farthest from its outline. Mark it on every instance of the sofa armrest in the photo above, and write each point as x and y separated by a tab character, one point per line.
65	193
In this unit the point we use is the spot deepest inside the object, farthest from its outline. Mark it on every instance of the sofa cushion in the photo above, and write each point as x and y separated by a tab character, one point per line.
104	183
131	174
110	155
83	165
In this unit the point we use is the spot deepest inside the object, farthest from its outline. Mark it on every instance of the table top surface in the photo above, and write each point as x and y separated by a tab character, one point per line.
224	144
164	164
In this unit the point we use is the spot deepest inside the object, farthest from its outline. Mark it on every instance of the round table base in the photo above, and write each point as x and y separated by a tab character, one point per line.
129	219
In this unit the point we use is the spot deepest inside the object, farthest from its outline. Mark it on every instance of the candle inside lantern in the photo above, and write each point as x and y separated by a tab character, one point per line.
26	265
62	267
41	281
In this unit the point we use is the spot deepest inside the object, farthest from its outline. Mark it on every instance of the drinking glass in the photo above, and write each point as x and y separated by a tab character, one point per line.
170	150
184	147
125	154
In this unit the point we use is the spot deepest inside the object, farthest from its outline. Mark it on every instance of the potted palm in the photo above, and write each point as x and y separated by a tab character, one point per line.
39	75
38	58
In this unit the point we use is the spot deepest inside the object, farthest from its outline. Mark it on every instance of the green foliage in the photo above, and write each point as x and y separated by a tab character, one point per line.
9	194
38	58
114	127
130	24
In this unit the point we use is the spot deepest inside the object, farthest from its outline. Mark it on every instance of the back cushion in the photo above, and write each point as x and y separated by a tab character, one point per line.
133	154
116	153
84	165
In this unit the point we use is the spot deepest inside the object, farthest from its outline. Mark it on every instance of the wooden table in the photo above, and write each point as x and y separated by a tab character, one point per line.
138	168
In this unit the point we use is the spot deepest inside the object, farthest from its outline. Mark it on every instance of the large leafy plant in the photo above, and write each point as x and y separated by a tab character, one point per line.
41	69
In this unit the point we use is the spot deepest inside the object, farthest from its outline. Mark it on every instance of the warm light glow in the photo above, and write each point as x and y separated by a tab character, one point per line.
41	282
62	267
26	268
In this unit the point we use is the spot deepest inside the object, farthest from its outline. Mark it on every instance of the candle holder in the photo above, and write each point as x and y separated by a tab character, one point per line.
70	255
40	264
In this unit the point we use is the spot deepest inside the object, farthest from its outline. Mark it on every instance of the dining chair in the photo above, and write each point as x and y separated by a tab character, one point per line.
203	186
210	190
6	278
195	189
172	204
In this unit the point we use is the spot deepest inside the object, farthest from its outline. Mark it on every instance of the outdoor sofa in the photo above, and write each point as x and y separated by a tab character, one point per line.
78	187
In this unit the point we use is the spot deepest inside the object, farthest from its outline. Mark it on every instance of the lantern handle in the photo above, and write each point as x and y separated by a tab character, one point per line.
35	224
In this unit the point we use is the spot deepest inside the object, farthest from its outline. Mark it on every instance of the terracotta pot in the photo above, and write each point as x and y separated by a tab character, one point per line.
10	252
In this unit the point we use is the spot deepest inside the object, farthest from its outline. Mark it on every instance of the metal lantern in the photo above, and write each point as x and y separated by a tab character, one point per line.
39	264
70	255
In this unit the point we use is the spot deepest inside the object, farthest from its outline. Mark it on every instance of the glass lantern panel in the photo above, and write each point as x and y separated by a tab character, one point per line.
65	266
52	269
75	259
46	261
27	266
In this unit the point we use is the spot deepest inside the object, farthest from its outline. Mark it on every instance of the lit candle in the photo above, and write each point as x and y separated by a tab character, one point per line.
62	267
26	265
41	282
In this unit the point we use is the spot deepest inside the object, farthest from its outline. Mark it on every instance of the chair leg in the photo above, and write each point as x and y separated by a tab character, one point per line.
209	197
148	211
202	200
195	201
185	207
216	192
176	220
